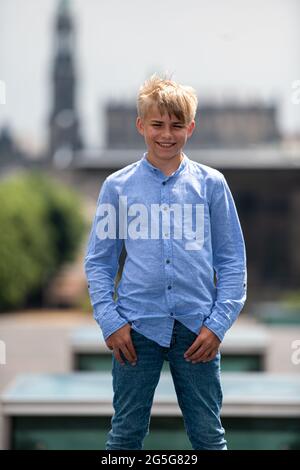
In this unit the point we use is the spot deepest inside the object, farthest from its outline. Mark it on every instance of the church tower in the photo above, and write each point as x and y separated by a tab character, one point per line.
64	123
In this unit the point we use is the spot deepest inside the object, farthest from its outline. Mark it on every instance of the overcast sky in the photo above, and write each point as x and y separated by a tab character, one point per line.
223	48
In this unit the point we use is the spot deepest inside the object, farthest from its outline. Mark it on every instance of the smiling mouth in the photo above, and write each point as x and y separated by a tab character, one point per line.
166	145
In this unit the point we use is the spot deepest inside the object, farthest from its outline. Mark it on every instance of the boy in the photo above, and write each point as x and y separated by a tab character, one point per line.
178	221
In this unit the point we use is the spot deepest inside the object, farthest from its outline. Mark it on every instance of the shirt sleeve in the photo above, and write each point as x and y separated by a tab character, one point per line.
102	261
229	260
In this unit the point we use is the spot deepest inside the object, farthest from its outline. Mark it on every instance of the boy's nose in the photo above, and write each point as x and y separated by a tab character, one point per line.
166	133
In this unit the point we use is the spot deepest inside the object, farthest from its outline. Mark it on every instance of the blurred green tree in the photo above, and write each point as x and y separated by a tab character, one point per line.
41	227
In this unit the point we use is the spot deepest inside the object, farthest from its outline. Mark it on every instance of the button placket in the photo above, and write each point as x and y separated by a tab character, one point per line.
167	249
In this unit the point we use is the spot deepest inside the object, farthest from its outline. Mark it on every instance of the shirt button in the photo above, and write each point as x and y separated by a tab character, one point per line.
163	182
169	287
171	314
167	261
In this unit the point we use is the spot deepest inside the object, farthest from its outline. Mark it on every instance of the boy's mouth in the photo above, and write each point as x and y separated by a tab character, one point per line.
165	145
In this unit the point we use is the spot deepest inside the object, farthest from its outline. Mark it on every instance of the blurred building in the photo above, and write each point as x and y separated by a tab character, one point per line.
229	125
11	156
8	150
65	135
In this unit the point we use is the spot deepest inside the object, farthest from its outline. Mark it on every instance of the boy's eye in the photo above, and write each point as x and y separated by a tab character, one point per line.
178	126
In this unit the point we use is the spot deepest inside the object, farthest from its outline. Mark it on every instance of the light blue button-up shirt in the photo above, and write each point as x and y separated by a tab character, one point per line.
185	258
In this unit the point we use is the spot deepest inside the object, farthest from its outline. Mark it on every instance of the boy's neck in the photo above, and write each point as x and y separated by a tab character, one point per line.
168	167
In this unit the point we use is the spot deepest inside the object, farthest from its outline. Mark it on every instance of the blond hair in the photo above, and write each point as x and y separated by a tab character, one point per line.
169	96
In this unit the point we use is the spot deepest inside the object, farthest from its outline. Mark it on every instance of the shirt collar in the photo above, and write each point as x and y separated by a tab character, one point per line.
156	171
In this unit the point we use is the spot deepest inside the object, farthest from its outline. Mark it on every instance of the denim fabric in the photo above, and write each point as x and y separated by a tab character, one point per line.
167	277
198	390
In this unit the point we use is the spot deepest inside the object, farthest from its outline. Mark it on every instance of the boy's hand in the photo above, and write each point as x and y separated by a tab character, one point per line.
121	340
204	348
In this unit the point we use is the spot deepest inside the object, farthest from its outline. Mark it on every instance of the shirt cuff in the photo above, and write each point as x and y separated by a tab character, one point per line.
110	322
216	327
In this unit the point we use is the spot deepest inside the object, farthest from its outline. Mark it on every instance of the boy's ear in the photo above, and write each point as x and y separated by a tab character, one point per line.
191	128
140	125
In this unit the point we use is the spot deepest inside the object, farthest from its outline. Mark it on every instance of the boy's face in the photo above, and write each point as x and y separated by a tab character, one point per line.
165	136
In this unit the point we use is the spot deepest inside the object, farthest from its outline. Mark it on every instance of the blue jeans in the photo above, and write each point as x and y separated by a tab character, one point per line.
197	386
